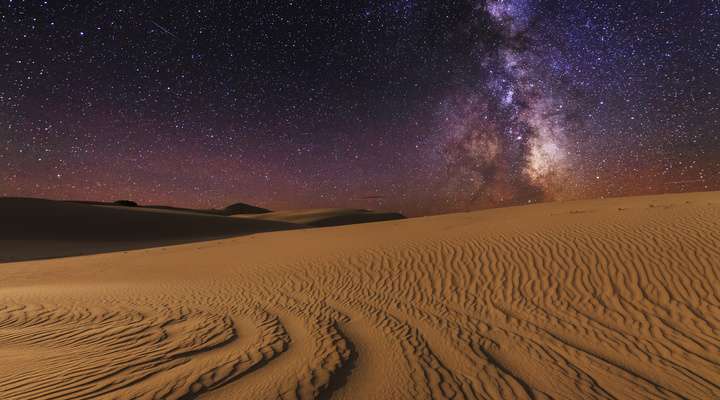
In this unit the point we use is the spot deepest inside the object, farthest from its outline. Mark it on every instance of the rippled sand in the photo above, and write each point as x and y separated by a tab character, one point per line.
612	298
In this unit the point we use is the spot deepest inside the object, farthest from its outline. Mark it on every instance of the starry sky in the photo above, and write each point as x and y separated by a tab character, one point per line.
418	106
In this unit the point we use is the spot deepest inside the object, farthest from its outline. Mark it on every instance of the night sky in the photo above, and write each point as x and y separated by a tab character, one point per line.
409	105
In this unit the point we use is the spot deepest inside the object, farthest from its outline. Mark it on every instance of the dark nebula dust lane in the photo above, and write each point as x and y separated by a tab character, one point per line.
418	106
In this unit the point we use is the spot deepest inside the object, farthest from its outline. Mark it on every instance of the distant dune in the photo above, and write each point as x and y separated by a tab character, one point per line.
326	217
37	228
233	209
602	299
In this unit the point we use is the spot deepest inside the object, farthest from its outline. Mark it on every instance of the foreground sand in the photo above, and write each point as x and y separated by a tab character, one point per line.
615	299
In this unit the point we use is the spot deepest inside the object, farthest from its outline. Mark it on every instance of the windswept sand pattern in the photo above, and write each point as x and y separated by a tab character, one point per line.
614	299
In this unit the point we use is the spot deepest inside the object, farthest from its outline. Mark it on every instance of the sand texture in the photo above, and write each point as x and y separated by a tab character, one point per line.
603	299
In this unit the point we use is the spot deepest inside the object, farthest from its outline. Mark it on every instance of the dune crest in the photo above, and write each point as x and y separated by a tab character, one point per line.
601	299
37	228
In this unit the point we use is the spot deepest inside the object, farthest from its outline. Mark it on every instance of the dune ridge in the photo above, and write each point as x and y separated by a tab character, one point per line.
38	228
600	299
325	217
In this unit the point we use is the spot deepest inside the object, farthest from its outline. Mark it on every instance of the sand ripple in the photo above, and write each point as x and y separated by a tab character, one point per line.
609	303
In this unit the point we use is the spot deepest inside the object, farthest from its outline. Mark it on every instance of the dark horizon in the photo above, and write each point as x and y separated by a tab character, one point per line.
289	207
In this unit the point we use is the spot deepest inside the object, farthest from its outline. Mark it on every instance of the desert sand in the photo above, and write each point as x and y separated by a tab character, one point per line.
39	228
600	299
324	216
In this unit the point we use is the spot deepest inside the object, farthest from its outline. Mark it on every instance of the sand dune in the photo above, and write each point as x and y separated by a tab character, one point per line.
233	209
326	216
37	229
607	299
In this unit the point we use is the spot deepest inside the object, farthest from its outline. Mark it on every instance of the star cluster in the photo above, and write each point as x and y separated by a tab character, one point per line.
419	106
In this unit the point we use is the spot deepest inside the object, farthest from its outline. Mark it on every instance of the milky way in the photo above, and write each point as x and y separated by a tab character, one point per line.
509	140
411	105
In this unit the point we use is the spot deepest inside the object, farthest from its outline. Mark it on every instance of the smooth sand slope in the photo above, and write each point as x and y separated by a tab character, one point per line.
37	228
616	299
326	216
